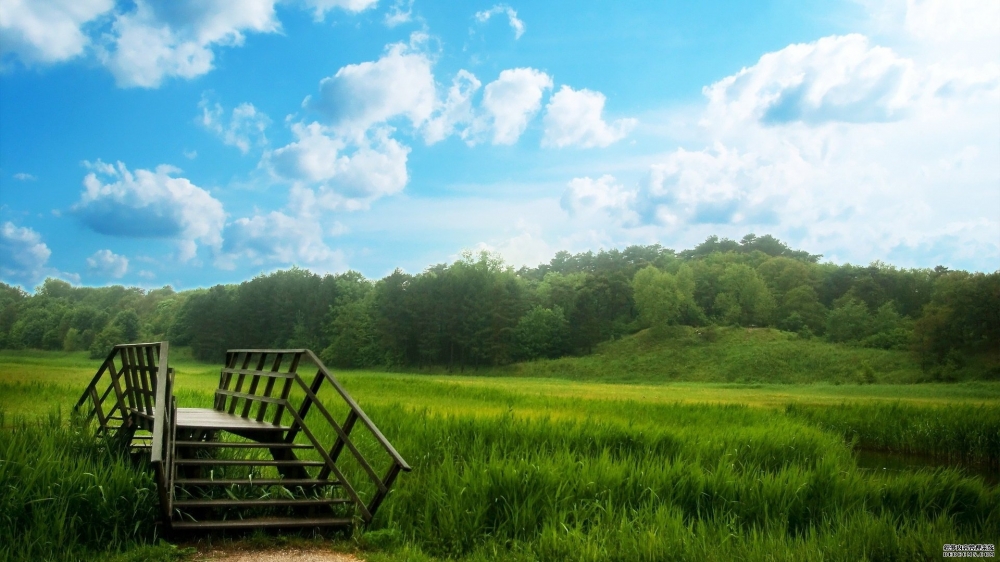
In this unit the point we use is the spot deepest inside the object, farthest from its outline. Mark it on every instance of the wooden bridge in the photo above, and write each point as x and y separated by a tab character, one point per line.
270	453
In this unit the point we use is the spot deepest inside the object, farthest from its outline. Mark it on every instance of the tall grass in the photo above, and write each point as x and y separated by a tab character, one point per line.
729	354
63	496
707	483
509	469
961	433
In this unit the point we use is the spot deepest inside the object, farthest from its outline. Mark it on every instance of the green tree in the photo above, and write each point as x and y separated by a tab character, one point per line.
658	297
848	321
542	332
744	299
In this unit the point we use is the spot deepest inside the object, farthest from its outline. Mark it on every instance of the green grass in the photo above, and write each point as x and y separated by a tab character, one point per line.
548	469
730	354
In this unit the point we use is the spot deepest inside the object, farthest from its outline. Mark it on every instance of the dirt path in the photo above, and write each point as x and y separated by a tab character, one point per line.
280	554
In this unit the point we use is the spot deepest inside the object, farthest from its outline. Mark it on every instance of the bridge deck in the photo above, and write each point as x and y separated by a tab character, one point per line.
207	418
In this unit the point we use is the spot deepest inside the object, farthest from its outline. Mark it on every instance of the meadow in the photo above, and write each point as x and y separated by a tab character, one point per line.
536	468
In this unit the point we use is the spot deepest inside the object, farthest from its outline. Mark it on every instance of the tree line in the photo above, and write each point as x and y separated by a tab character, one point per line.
478	311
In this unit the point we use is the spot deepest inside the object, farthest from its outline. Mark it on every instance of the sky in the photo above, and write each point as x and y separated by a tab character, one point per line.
196	142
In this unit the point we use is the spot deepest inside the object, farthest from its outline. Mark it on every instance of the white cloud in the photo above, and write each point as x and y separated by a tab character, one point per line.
573	117
321	7
22	176
107	263
845	148
245	128
585	196
359	96
150	204
455	111
401	12
23	255
503	9
347	174
177	39
837	78
510	101
47	31
279	238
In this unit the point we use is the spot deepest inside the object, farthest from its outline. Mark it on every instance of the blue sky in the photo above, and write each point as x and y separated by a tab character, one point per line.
200	142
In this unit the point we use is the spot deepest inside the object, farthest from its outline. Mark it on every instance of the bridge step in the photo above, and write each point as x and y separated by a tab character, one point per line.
281	502
241	445
254	482
245	462
270	522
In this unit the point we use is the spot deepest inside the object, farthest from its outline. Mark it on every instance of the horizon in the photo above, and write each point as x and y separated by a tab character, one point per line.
186	146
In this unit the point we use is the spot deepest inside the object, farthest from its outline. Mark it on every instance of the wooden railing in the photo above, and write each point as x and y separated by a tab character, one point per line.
164	432
127	379
126	395
253	385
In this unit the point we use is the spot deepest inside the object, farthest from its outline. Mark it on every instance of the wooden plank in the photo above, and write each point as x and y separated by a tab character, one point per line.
249	397
244	462
259	373
240	445
280	411
282	502
263	523
161	418
143	374
347	440
255	482
380	496
206	418
97	408
361	413
352	418
239	384
336	471
255	380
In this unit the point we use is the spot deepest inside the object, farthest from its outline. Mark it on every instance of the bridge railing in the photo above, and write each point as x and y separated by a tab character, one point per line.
265	385
164	432
121	396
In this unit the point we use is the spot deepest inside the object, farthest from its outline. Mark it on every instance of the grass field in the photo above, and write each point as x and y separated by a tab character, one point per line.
549	469
742	355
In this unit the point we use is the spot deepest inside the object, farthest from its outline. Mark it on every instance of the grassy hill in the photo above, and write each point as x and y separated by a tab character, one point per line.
755	355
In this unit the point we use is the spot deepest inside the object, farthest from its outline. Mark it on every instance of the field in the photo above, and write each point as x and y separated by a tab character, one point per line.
537	468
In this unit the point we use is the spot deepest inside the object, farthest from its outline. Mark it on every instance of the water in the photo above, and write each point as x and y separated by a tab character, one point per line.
902	462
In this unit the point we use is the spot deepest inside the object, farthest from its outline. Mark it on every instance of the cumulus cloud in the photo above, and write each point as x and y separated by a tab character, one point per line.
503	10
858	164
321	7
150	204
510	101
243	129
108	264
47	32
22	176
177	39
401	12
455	113
585	196
400	83
837	78
573	118
279	238
347	175
23	255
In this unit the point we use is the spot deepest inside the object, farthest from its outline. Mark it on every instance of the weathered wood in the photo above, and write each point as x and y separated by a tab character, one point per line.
137	380
204	418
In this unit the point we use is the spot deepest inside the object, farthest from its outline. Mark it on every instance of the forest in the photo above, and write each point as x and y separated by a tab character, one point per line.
479	312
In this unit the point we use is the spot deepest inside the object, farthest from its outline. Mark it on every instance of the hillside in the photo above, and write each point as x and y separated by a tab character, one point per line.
755	355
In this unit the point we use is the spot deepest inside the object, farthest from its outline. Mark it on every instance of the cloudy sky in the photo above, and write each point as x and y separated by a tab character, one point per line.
196	142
